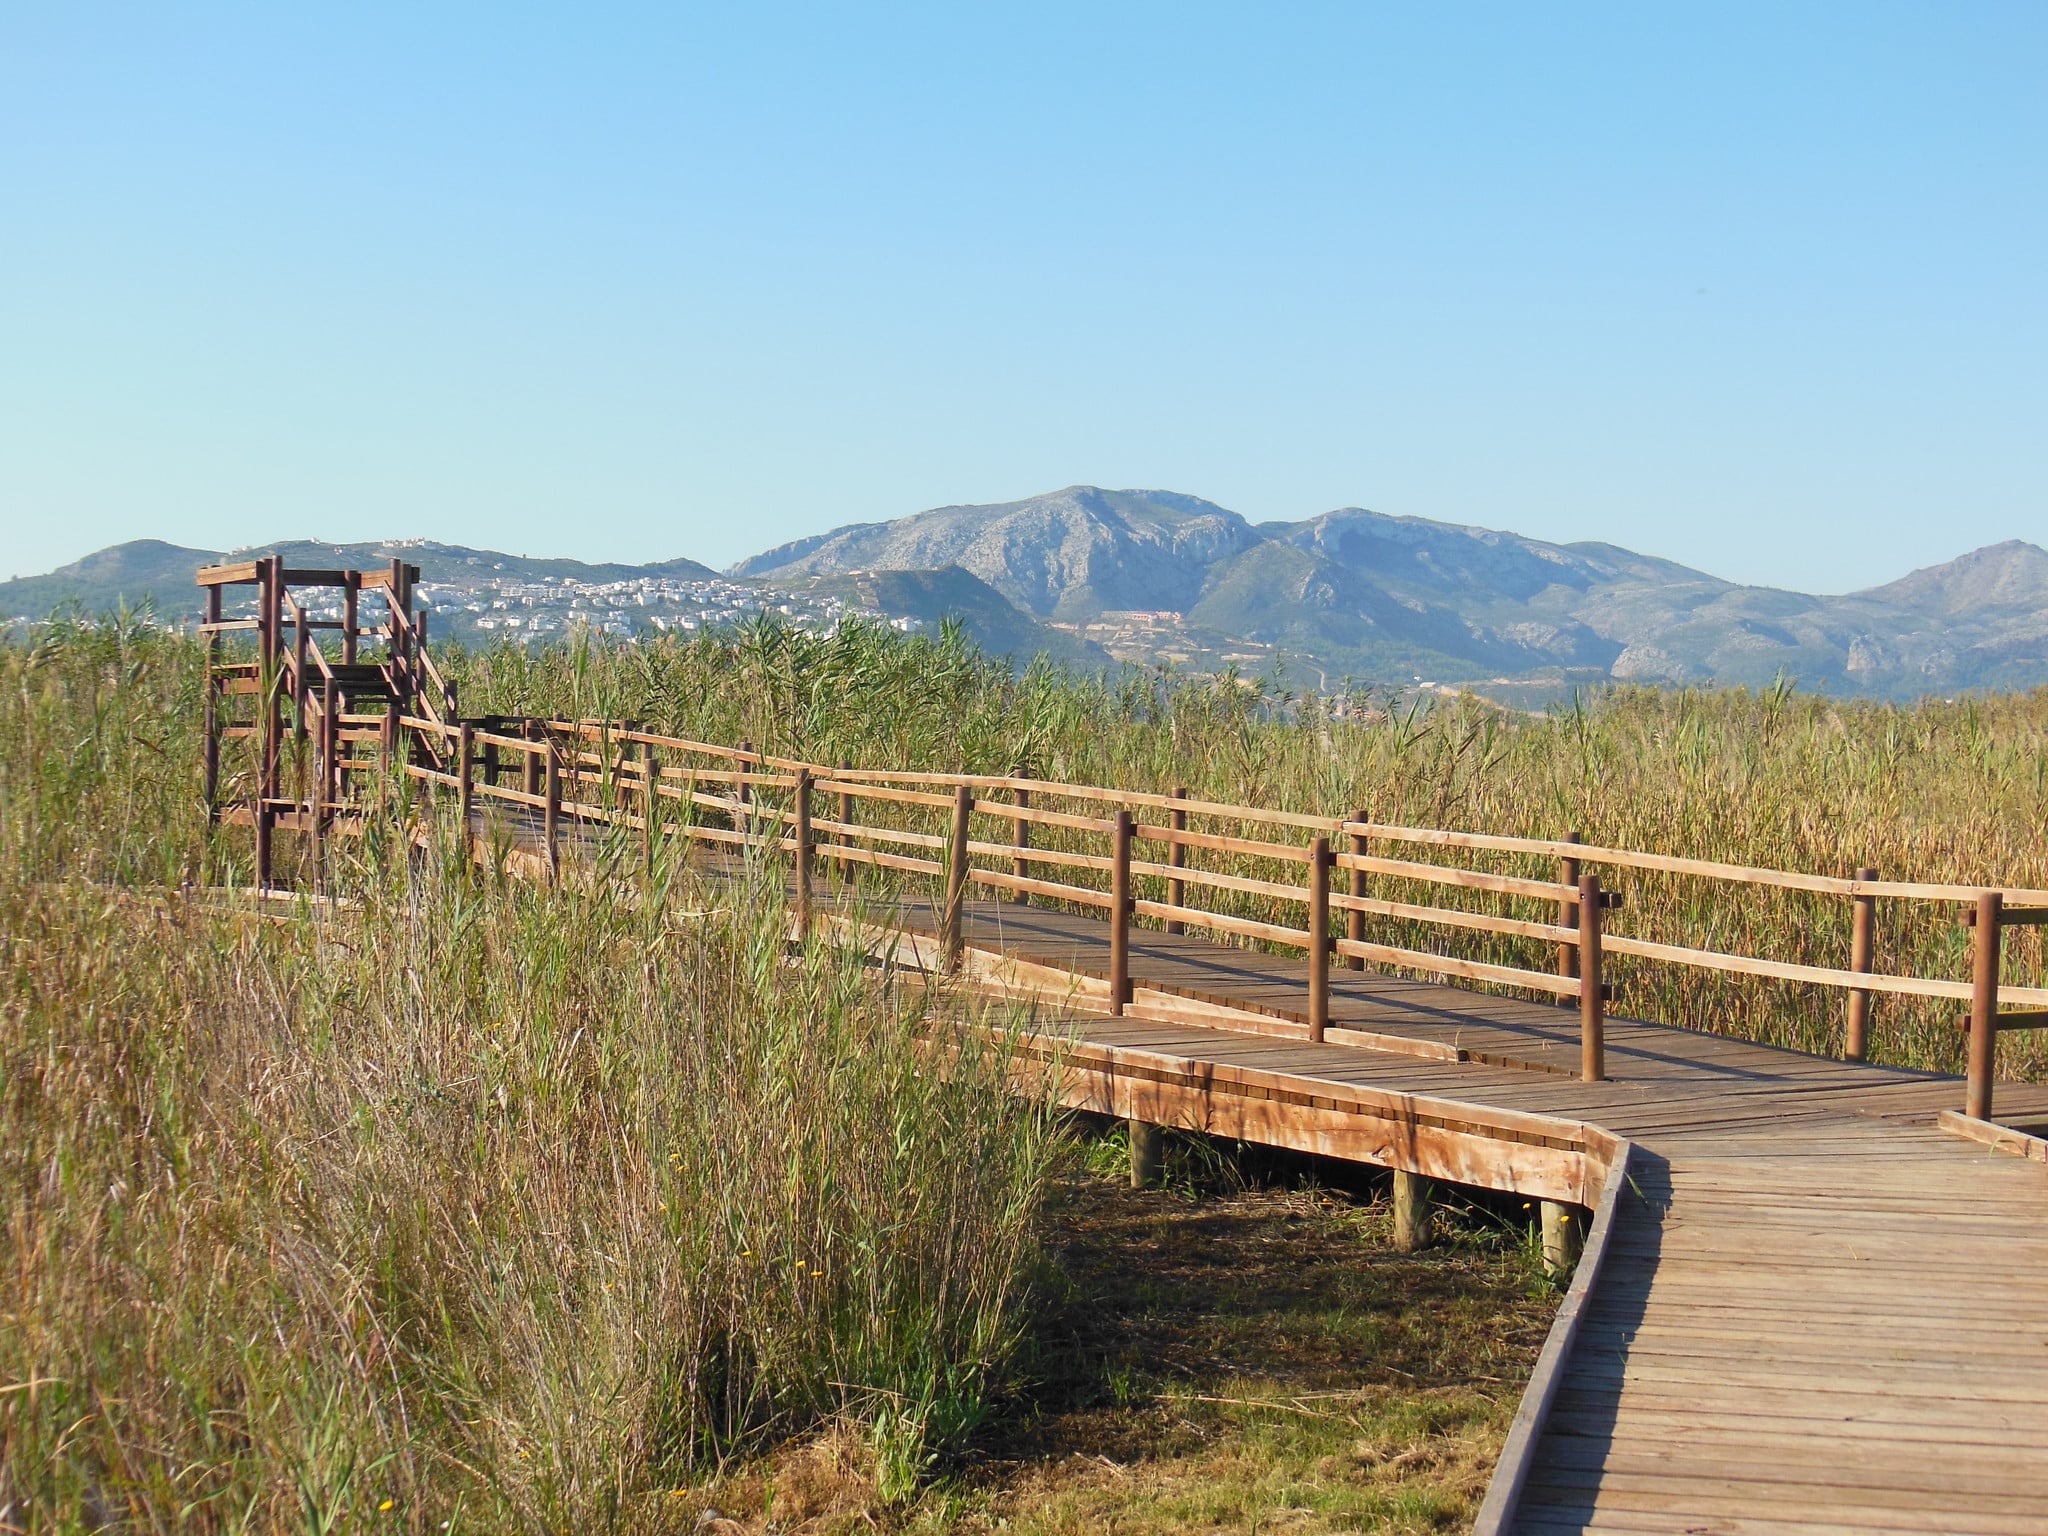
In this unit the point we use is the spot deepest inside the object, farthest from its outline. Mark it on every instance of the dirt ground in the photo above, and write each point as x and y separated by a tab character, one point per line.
1241	1350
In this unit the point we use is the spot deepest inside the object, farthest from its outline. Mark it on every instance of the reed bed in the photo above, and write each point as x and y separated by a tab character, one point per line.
453	1200
452	1204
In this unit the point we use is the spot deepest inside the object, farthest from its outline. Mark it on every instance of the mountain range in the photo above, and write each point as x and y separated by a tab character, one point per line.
1157	576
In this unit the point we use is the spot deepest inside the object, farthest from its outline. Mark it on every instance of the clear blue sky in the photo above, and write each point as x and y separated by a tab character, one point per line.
1760	288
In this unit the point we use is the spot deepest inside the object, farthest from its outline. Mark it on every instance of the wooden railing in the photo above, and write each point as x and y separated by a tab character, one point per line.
1342	890
1134	857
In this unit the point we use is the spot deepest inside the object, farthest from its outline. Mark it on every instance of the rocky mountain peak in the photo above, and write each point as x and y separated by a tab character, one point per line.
2008	577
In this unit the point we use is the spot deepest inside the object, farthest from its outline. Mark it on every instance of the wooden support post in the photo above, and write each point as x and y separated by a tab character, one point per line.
316	810
490	764
394	594
465	778
1318	938
351	596
953	920
1177	857
1862	954
650	803
529	764
1567	916
264	826
847	804
1564	1235
327	787
1984	947
1120	915
743	792
271	586
1020	866
212	757
1148	1152
551	815
1413	1209
1592	998
1354	921
802	854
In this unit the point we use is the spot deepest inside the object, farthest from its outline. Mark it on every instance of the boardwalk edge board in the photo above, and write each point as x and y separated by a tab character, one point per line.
1518	1456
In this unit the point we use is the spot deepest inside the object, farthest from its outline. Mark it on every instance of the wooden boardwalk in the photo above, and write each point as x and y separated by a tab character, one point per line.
1809	1308
1813	1297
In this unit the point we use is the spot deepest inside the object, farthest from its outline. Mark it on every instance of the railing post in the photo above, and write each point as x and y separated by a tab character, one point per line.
1984	949
551	814
327	787
351	594
1177	856
1862	946
1567	914
743	793
1021	866
271	587
1120	915
263	841
465	778
1592	998
394	597
1354	920
846	805
650	779
1318	938
801	856
529	762
953	920
212	758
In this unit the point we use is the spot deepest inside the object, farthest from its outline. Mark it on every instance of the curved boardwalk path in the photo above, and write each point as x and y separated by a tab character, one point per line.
1804	1308
1804	1305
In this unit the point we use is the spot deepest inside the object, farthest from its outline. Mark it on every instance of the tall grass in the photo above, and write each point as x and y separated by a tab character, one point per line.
514	1209
455	1201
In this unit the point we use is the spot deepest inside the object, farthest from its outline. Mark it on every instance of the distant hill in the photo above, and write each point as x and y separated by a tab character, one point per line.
2010	578
149	569
1069	555
932	597
1090	575
145	571
1373	597
481	595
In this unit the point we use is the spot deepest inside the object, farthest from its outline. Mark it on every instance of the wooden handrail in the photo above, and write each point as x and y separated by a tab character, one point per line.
1708	869
1279	866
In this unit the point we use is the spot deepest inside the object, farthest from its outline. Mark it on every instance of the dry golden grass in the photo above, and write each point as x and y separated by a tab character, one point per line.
457	1201
512	1209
